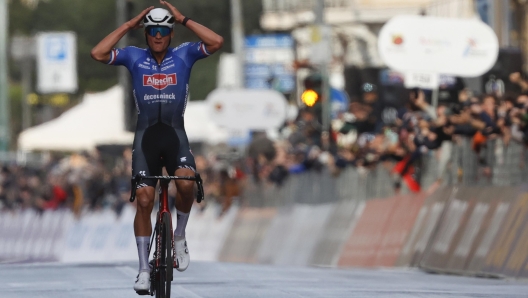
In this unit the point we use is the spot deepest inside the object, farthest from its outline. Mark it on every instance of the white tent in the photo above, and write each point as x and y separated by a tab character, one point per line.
99	119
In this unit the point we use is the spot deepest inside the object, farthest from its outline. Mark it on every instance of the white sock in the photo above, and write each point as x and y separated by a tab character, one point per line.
181	223
143	252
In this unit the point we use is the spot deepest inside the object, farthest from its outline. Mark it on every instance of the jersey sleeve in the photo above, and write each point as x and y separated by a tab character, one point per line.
191	52
124	56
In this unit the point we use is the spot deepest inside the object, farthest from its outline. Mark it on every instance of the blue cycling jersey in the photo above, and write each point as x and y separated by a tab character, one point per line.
160	90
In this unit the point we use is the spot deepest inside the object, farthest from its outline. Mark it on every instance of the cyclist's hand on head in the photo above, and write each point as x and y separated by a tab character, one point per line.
136	22
102	51
174	11
212	41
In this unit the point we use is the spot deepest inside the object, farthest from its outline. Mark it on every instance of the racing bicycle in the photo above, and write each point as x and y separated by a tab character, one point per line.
164	257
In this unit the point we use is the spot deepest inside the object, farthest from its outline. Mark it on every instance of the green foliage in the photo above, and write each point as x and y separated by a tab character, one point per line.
92	20
202	82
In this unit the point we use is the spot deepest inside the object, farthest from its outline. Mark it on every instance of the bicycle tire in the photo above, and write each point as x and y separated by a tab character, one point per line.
164	279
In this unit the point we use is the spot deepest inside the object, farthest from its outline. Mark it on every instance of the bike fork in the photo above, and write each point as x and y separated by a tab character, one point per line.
164	199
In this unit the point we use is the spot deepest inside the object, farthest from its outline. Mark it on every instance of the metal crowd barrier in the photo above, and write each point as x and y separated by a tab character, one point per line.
455	163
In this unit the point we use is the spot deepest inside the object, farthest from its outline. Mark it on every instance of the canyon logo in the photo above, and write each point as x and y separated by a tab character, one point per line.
159	81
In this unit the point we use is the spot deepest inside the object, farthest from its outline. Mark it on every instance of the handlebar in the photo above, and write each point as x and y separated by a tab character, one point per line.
137	179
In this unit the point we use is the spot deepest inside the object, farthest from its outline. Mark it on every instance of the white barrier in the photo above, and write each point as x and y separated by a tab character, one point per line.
100	236
296	230
206	232
28	235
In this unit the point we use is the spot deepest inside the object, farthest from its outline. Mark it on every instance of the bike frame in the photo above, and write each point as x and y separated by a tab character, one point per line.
164	208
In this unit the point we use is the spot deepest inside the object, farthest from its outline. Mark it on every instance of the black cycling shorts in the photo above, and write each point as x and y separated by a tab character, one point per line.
160	146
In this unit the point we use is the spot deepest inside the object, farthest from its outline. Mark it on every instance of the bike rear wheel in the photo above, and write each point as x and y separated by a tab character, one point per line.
164	279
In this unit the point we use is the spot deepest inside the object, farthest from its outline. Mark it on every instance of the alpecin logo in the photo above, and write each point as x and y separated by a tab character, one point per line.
159	81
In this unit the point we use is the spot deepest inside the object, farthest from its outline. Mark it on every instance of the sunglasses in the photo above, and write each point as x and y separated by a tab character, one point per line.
163	31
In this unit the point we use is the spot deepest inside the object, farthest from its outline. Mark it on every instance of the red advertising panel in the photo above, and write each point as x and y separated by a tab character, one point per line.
381	231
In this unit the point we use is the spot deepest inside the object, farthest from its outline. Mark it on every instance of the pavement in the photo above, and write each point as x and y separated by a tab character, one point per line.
209	279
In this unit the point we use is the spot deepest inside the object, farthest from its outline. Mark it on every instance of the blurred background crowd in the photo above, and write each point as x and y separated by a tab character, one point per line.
366	134
376	119
88	182
360	137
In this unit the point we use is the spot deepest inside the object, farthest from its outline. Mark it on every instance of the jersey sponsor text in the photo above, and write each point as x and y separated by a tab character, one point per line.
159	96
167	67
159	81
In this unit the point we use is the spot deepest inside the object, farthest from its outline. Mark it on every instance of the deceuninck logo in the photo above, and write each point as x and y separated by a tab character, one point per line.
159	81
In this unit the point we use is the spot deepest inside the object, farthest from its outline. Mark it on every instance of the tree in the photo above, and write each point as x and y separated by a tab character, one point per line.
86	18
92	20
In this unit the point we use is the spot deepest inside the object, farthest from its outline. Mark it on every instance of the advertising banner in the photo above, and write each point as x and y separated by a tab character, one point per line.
244	109
468	230
424	227
338	227
381	232
244	239
461	47
508	254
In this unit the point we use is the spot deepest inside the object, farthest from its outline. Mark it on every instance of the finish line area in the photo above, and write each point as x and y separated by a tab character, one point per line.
211	279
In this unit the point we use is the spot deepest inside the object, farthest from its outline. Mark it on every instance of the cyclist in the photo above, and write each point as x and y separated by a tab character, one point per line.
160	77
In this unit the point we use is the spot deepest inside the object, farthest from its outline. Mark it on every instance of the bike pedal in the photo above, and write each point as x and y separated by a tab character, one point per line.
143	293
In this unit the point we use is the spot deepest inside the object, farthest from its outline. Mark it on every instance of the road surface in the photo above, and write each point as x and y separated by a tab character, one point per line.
204	279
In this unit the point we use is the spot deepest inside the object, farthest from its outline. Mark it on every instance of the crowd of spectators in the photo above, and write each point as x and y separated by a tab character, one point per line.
77	181
370	133
365	135
88	182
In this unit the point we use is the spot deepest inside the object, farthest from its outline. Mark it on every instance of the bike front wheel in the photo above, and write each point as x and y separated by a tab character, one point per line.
164	279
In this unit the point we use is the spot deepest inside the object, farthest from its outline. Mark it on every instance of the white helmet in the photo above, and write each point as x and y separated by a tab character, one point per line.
158	17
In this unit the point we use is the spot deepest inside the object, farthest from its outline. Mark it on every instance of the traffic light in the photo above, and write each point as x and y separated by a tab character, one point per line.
312	90
309	97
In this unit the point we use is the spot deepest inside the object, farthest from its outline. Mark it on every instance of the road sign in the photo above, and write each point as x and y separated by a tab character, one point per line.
321	49
423	80
57	62
268	60
339	101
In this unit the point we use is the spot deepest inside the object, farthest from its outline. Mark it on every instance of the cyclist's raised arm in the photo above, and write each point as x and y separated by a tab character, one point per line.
213	42
102	51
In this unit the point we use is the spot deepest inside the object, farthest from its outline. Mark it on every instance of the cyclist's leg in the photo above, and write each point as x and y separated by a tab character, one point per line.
186	166
185	196
142	230
145	203
182	164
184	200
144	162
